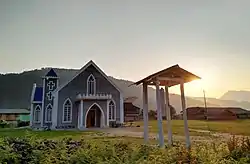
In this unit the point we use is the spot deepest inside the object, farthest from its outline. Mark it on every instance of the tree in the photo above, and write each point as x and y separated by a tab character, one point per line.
172	111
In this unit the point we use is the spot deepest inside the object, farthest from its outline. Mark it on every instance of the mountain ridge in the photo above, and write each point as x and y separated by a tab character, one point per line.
15	90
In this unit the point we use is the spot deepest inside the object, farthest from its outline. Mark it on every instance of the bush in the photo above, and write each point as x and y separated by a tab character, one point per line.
29	149
239	148
23	123
4	124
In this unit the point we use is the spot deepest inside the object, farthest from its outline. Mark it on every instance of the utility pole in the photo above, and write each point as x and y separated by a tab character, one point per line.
205	103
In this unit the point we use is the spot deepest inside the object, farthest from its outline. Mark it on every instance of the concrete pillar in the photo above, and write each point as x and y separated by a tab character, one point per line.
183	102
168	114
80	115
159	115
145	111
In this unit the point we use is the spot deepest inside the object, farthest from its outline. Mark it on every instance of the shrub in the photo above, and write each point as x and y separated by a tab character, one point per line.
29	149
23	123
239	148
4	124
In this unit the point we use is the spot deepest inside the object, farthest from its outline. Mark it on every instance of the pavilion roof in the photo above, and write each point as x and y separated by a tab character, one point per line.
170	76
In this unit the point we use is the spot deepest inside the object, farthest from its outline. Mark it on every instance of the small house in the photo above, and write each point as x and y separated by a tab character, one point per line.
11	115
217	113
131	112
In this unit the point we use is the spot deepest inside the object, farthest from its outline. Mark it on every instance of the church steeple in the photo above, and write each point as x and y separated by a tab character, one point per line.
50	83
51	73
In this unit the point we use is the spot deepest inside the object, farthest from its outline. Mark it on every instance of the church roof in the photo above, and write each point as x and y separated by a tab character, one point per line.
51	73
38	96
83	69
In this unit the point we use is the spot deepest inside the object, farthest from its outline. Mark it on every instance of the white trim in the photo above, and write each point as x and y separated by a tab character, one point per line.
55	110
108	101
91	75
81	116
33	92
36	102
31	114
49	77
71	107
102	117
31	104
121	109
42	118
46	113
114	110
83	69
34	119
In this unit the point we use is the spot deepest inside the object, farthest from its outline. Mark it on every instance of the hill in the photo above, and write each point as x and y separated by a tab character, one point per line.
15	90
236	95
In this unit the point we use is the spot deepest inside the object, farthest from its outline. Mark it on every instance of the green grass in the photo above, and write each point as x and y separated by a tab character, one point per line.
74	134
44	134
238	127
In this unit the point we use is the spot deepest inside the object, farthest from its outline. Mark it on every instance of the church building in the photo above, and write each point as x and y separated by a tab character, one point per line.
90	99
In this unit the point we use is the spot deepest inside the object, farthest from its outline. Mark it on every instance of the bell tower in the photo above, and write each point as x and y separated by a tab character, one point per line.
50	83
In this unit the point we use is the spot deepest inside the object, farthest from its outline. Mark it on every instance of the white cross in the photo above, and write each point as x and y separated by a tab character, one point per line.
51	85
49	95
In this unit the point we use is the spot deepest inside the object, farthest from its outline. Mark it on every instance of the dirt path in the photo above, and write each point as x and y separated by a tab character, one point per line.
131	132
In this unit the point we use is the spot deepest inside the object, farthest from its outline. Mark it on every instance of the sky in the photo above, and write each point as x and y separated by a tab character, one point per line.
131	39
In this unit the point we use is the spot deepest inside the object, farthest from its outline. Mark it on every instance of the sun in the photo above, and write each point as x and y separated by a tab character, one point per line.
198	84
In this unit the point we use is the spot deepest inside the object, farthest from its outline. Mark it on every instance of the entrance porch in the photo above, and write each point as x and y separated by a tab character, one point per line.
92	111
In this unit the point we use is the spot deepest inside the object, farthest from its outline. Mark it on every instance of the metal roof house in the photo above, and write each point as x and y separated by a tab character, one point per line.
14	114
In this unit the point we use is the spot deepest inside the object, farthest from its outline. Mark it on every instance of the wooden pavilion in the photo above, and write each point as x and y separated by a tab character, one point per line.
169	77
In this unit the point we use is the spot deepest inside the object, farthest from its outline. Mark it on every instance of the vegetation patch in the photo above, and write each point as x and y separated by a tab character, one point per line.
30	149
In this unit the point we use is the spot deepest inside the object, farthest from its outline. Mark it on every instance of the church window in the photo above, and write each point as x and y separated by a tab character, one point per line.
67	111
111	111
49	95
91	85
51	85
37	114
48	113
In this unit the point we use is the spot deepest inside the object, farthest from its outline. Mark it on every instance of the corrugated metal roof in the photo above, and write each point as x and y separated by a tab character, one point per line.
14	111
172	72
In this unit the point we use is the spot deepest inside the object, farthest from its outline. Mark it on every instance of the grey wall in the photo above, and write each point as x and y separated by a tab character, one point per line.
79	85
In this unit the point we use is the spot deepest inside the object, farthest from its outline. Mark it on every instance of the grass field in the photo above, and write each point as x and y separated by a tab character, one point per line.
238	127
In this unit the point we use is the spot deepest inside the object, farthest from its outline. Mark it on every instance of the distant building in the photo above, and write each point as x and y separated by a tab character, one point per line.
12	115
131	112
217	113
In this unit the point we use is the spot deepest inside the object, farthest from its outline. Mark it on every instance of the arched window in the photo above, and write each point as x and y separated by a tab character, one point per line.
111	111
67	111
91	85
48	113
37	114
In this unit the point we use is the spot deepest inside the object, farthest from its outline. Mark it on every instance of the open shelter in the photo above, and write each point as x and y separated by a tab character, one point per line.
168	77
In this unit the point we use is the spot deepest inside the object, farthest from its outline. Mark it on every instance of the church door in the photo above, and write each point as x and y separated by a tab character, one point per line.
94	117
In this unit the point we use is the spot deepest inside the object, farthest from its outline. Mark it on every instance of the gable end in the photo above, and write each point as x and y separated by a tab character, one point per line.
82	70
